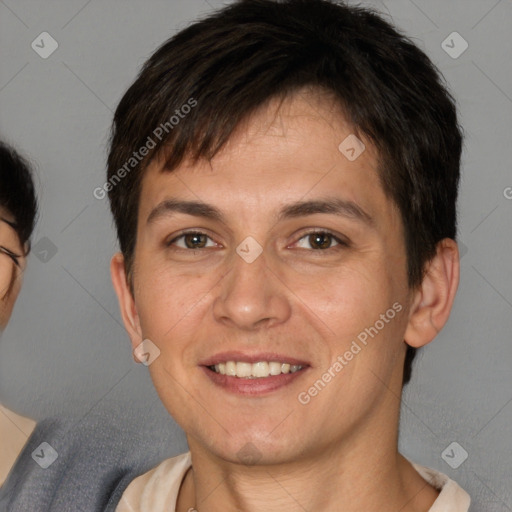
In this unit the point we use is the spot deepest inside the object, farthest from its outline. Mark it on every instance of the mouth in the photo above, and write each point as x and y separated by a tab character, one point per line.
258	370
253	375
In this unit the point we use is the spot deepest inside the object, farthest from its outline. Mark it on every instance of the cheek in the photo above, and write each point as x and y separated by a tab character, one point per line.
171	310
364	309
349	298
5	275
8	298
167	304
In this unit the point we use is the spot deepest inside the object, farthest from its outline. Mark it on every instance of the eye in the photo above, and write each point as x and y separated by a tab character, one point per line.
320	240
14	257
191	240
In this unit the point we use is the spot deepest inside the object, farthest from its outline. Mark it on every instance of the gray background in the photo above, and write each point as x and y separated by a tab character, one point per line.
65	351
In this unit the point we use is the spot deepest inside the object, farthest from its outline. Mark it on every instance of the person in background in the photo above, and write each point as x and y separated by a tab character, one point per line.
96	455
18	210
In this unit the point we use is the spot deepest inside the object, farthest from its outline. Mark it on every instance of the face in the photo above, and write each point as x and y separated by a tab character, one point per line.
11	265
296	257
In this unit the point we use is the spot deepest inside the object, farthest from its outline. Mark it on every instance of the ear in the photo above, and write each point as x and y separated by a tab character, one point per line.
434	298
126	301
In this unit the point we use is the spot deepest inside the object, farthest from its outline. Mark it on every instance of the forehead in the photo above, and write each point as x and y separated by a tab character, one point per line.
5	214
8	235
8	232
284	150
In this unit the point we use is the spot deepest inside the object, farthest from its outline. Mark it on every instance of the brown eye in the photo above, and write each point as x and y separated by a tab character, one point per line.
191	240
320	240
195	240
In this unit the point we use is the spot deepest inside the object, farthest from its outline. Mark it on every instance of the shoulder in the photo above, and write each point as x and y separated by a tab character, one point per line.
451	497
85	461
157	489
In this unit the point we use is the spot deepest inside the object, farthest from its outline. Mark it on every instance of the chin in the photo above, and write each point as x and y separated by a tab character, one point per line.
254	446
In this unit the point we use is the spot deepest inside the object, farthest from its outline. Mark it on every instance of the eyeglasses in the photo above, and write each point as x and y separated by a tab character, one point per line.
4	250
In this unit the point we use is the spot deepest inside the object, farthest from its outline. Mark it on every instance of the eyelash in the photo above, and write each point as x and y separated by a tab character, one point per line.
14	257
340	243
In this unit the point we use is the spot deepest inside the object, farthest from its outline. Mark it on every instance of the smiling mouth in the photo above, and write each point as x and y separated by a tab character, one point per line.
258	370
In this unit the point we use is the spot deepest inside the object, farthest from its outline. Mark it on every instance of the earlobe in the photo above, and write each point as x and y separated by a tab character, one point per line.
433	300
126	300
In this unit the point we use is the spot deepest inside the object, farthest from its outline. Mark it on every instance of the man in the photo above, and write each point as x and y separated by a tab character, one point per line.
283	177
18	209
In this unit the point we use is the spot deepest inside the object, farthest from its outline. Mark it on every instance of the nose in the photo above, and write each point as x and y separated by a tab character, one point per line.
251	296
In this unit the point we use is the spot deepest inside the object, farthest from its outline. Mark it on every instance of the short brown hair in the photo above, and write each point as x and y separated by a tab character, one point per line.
238	58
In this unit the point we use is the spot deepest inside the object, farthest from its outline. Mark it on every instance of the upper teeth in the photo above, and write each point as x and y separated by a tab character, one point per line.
254	370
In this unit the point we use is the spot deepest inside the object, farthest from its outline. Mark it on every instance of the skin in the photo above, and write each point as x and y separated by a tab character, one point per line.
14	429
10	240
338	452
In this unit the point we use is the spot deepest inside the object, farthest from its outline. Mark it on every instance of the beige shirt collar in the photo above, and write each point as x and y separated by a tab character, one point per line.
157	490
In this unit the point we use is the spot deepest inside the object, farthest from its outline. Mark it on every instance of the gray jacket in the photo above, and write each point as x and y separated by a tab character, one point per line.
95	463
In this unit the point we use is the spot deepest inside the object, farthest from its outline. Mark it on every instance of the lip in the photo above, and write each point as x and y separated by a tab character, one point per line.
244	357
252	387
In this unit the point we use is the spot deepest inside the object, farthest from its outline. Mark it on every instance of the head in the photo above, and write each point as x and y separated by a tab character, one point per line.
18	209
252	110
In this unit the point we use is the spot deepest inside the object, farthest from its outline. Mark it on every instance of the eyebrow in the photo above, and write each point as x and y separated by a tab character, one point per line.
329	205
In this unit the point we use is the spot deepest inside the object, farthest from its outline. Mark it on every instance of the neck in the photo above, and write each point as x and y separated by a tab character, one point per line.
361	472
